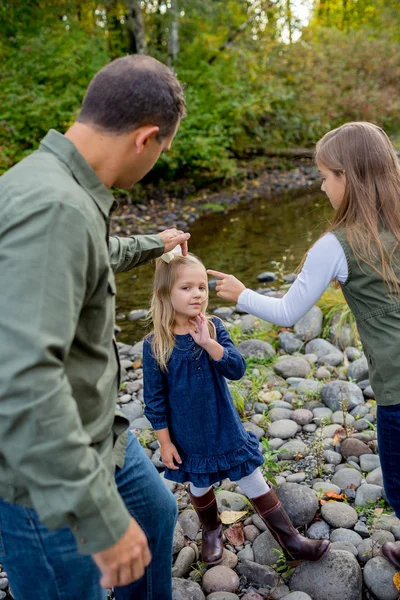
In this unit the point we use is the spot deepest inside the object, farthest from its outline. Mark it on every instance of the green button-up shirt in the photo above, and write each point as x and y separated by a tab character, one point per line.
59	369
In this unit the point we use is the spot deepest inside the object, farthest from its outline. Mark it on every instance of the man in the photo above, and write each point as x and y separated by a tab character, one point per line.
65	519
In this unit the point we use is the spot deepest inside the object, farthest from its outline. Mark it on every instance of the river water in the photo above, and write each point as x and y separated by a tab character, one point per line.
245	242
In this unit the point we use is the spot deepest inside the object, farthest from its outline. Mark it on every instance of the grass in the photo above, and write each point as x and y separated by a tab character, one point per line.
332	303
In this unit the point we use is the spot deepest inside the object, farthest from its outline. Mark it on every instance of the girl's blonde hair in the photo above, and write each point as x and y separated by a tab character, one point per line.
371	203
162	312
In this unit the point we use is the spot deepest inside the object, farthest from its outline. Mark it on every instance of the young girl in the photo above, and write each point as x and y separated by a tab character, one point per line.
202	439
361	177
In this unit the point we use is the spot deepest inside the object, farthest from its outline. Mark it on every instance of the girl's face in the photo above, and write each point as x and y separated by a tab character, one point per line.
333	185
190	291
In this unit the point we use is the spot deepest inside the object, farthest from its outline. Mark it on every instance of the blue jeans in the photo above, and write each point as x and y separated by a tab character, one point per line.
45	564
388	419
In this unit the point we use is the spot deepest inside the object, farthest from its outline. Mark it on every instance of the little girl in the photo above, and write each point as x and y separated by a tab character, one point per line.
361	177
202	439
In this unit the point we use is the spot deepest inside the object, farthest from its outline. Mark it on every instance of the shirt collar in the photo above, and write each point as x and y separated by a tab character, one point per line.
67	152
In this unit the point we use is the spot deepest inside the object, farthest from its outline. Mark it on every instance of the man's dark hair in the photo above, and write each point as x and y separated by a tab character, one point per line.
133	91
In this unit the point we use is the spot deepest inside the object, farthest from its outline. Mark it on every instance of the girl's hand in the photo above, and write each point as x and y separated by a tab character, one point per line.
228	288
200	332
168	454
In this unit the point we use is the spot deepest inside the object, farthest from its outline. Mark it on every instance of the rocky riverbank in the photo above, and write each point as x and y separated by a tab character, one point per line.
309	401
160	208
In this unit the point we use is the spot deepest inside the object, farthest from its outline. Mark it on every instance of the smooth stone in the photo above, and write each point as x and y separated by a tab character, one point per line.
223	312
310	325
229	559
337	576
246	554
258	522
289	342
368	549
338	514
319	530
171	485
220	579
277	593
346	535
132	411
266	276
302	416
367	493
258	431
358	369
334	359
293	448
311	428
309	387
325	486
185	589
258	574
361	529
141	423
292	366
322	414
230	501
256	349
275	443
339	418
378	577
375	477
276	414
332	457
381	536
320	347
354	447
322	373
179	539
265	549
352	353
140	313
190	523
296	478
347	477
250	532
222	596
369	462
184	560
297	596
299	501
345	546
284	429
386	522
360	411
335	391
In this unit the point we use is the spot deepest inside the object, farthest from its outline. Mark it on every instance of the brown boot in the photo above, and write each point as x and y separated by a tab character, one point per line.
207	511
392	552
296	546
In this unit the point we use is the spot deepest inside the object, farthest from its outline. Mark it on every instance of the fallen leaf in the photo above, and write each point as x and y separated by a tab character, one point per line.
235	535
396	581
378	511
323	501
231	516
137	363
334	495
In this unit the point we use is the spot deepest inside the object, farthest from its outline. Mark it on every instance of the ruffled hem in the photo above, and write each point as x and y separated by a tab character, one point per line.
206	479
198	463
206	470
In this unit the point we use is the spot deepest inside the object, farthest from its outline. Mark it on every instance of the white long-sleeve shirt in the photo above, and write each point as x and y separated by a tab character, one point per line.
325	261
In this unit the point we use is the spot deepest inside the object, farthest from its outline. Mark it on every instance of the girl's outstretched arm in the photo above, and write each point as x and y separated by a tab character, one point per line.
232	365
325	261
155	389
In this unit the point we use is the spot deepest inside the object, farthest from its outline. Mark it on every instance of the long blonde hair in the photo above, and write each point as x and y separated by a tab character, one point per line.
371	202
162	312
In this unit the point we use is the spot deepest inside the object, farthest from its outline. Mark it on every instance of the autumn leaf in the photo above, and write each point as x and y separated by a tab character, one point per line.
396	581
323	501
235	534
378	511
332	495
137	363
231	516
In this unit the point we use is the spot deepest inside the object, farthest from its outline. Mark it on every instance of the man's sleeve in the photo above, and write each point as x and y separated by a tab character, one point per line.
126	253
44	261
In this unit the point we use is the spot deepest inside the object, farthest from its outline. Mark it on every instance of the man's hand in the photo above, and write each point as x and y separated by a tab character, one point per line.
228	288
175	237
168	454
125	561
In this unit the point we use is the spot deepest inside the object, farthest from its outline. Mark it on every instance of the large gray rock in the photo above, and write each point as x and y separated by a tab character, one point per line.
222	596
368	493
321	348
378	577
293	448
299	501
183	562
375	477
347	477
337	390
338	514
256	349
358	370
289	342
310	325
283	429
185	589
230	501
309	387
265	549
220	579
297	596
179	539
277	414
190	523
292	366
335	577
319	530
346	535
369	462
262	575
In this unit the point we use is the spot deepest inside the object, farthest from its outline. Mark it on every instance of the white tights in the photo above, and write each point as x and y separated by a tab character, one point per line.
252	485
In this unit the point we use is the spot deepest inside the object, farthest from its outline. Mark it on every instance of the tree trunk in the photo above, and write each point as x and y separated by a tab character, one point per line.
173	40
136	23
289	20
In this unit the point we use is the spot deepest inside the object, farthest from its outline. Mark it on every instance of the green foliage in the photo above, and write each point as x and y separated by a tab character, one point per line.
335	308
270	467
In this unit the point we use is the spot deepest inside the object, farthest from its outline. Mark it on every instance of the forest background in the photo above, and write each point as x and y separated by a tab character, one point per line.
259	76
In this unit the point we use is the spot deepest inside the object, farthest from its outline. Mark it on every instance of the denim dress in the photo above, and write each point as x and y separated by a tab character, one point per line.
192	399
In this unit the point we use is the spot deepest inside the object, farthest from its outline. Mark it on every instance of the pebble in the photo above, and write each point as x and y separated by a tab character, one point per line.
220	579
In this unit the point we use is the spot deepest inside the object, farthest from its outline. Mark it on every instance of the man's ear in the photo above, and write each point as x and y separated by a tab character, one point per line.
142	135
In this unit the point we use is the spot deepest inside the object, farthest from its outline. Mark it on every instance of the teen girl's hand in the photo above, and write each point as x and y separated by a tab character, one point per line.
175	237
168	454
228	287
199	330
